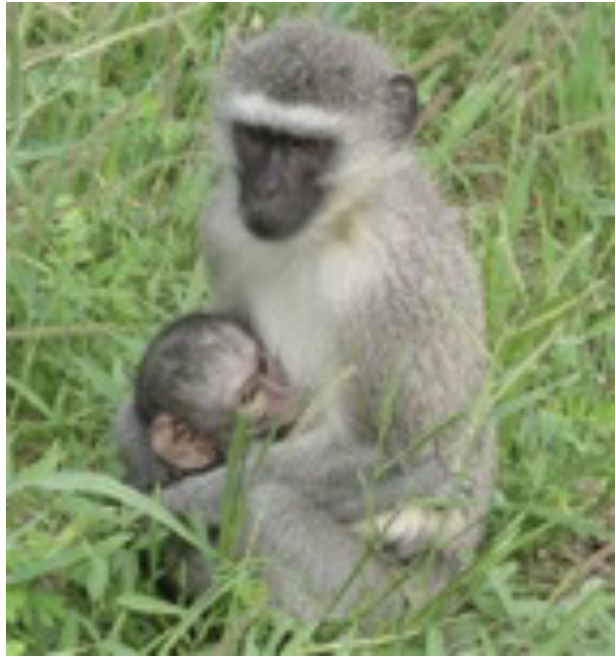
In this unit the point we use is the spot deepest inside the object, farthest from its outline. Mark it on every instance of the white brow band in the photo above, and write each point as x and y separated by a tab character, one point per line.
257	109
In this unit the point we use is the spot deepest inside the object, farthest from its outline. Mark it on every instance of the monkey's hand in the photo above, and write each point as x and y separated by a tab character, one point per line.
204	492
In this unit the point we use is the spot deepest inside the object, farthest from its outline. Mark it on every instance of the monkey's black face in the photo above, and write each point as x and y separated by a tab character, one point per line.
281	179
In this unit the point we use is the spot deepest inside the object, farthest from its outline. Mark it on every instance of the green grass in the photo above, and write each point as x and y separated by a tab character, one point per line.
108	167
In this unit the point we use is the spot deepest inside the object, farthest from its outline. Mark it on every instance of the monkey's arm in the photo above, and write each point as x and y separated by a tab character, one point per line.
328	469
349	478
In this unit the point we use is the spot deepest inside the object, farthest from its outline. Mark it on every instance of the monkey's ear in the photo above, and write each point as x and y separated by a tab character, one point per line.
176	445
402	104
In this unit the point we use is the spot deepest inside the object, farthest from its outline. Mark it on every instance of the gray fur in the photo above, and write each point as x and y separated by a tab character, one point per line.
302	63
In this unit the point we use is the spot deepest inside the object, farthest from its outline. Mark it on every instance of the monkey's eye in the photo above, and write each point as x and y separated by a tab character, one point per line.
305	145
300	143
314	152
250	140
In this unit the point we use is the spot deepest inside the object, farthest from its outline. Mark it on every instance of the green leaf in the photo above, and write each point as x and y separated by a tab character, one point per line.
102	485
148	605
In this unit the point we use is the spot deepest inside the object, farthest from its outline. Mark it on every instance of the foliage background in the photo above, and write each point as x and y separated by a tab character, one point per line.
108	164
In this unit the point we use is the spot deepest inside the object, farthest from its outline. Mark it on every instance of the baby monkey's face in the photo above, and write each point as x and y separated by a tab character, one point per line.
241	382
263	395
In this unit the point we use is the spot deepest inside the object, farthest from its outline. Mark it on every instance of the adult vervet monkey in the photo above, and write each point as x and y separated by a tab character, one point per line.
326	238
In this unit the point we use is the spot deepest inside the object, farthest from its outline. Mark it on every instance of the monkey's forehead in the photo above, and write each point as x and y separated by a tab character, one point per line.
306	63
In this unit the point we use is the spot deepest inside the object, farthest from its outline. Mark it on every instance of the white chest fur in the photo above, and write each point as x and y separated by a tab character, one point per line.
300	300
292	312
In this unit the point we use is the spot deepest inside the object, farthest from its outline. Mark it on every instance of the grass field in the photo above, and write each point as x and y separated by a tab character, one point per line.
108	166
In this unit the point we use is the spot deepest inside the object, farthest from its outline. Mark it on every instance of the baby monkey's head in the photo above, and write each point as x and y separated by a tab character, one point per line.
197	378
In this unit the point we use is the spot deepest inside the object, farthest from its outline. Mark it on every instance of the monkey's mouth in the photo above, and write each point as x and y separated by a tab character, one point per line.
269	227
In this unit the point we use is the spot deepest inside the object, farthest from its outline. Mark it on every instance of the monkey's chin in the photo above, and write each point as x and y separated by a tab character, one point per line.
269	229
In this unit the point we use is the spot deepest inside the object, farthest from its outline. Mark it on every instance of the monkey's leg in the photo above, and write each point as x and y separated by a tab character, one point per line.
316	565
316	569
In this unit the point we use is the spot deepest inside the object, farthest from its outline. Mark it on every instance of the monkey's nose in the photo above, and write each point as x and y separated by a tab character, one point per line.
270	180
269	186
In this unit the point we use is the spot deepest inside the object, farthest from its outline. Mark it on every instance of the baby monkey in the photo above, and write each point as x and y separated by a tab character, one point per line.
197	378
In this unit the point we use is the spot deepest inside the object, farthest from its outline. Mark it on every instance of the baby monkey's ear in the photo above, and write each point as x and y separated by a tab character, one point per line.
174	443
